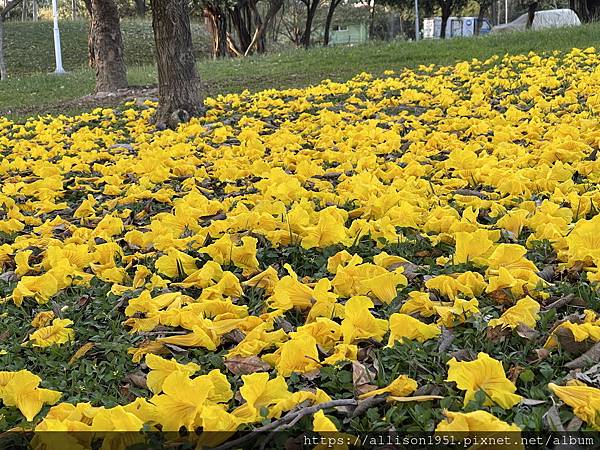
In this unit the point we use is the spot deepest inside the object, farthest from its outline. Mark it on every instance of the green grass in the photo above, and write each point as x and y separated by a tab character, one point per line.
30	45
43	93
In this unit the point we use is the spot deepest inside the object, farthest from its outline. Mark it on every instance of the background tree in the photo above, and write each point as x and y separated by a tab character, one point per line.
140	7
484	8
178	81
333	4
531	8
447	7
293	21
105	44
238	27
311	10
4	11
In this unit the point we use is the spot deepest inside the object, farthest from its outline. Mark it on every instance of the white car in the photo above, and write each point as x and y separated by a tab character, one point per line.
553	18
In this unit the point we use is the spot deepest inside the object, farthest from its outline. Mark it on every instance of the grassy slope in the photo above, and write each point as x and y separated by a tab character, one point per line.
35	41
42	93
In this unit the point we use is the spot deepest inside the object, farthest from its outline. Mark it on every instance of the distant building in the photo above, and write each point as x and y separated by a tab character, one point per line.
348	33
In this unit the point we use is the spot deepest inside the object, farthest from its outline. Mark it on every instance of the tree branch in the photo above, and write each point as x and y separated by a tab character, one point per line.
288	420
10	5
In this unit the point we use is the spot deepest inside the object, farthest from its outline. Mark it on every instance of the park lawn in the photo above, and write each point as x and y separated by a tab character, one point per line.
40	93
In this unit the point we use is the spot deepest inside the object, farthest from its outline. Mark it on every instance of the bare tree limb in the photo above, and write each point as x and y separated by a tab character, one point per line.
288	420
10	5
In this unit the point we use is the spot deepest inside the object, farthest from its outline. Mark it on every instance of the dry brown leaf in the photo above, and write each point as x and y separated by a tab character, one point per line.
502	297
361	378
526	332
514	372
568	343
137	379
240	365
497	334
552	418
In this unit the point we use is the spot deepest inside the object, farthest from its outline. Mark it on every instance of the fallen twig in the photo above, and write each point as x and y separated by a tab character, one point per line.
471	192
592	355
560	302
290	418
367	403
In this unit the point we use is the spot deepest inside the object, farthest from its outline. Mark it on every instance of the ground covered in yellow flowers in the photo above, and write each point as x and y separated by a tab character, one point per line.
426	244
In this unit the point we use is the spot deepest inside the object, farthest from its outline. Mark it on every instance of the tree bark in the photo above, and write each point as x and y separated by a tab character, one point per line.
34	10
259	36
3	74
106	46
372	20
531	14
332	5
218	27
482	8
140	7
178	82
311	10
3	14
446	11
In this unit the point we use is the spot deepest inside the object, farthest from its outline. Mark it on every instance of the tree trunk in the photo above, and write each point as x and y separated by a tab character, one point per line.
446	11
480	15
3	74
74	9
332	5
311	9
178	82
372	21
7	7
34	10
259	36
531	14
106	47
218	28
140	7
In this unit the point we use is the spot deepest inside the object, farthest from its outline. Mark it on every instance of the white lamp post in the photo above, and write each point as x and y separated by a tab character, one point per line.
417	20
57	53
505	11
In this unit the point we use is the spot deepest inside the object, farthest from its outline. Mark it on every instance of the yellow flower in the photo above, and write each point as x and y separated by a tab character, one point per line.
584	400
400	387
181	402
175	264
342	352
524	312
21	389
259	392
403	326
42	319
473	422
161	368
22	262
41	288
359	323
485	374
299	354
55	334
383	287
329	230
199	337
474	246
